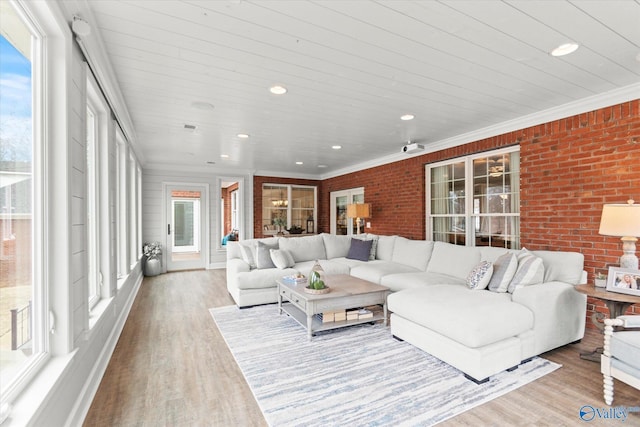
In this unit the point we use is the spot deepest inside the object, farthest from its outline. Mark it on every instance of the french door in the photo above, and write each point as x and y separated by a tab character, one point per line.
340	224
186	226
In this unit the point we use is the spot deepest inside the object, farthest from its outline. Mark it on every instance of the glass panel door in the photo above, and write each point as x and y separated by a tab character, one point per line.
185	245
339	200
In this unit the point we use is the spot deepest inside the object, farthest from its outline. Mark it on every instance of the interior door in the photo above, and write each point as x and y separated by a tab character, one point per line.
186	227
340	224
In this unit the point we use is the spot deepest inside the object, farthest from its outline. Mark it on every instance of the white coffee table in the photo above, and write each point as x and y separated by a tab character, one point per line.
346	292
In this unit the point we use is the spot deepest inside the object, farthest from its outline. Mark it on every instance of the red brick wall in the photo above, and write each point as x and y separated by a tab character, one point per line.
569	169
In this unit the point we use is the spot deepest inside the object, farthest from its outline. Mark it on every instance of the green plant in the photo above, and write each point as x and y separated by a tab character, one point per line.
315	281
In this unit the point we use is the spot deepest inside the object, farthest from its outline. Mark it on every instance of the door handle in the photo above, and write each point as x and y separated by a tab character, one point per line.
169	229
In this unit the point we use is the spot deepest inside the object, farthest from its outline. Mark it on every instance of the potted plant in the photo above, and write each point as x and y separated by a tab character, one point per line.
601	280
279	222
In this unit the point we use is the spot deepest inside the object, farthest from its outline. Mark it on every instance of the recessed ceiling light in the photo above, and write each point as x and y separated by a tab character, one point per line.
322	166
564	49
278	90
243	135
336	147
407	117
202	105
224	156
299	163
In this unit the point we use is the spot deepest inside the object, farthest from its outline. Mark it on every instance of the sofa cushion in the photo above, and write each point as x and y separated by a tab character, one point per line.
263	255
530	272
262	279
420	279
504	268
480	276
305	248
247	251
281	258
384	250
329	266
473	319
360	249
562	266
414	253
453	260
374	271
336	246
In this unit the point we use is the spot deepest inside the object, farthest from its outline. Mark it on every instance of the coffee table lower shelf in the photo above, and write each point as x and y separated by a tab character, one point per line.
317	325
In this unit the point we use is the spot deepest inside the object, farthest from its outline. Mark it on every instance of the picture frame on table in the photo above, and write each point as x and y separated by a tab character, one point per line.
624	281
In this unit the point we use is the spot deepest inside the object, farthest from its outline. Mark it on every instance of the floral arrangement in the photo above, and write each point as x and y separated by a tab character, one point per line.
152	249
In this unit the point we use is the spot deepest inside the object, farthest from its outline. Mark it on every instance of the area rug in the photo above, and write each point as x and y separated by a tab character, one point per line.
358	375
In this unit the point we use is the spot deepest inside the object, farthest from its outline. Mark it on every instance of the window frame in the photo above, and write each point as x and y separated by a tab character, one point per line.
288	190
469	216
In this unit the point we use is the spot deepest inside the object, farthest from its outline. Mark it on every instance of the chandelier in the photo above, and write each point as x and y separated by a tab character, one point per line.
281	202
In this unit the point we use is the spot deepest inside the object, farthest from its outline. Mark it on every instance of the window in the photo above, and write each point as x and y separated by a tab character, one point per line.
133	211
21	193
121	205
475	201
93	213
235	224
288	207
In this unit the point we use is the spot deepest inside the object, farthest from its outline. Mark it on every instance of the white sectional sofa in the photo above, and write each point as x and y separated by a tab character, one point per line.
432	303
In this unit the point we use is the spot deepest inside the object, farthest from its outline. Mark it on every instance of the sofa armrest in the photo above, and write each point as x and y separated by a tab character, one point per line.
559	313
237	265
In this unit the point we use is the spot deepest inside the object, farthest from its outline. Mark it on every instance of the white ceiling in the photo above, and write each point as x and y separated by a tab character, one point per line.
352	68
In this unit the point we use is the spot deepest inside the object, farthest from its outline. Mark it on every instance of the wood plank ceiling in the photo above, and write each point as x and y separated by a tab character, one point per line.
352	68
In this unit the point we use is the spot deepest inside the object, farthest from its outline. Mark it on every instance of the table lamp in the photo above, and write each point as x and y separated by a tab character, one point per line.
359	211
623	220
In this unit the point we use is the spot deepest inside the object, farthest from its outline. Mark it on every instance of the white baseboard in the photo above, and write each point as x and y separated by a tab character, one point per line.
217	265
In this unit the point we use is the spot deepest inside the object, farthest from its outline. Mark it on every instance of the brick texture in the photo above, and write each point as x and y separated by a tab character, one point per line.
569	169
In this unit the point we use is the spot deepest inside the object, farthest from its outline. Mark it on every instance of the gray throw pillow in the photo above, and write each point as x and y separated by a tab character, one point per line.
360	249
263	255
374	245
504	268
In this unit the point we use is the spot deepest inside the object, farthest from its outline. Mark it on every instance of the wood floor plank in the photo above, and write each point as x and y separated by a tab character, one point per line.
171	366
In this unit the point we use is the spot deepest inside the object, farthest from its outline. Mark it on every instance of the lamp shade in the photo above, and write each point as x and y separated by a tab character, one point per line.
622	220
359	210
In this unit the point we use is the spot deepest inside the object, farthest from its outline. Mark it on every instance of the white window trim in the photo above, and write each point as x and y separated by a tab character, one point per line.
469	215
289	188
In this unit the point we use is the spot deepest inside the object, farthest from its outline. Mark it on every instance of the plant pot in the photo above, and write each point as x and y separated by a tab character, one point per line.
601	283
152	266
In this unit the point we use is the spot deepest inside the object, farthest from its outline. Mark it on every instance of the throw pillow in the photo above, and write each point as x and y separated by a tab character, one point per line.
504	268
281	258
263	256
480	275
530	272
360	249
247	255
374	245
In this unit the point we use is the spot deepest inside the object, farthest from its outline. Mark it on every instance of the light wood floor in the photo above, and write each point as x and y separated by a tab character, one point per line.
171	367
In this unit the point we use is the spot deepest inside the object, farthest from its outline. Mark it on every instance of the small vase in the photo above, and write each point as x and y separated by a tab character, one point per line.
152	266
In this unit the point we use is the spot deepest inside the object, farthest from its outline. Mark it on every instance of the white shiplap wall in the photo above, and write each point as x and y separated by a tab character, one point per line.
154	229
